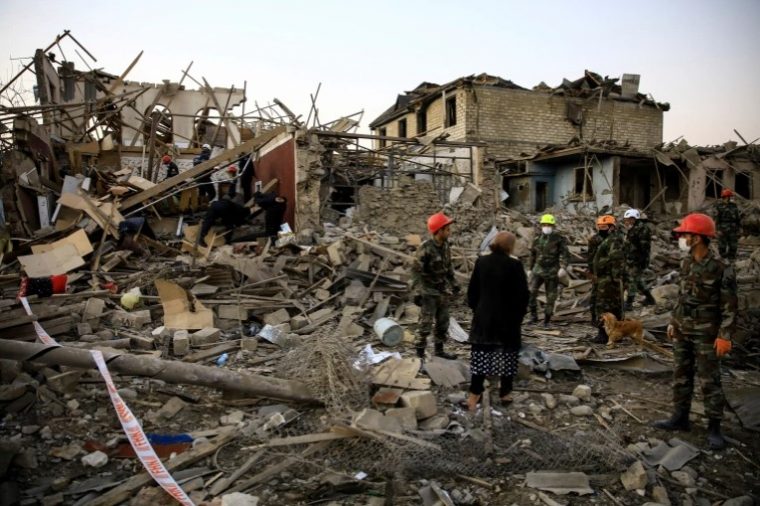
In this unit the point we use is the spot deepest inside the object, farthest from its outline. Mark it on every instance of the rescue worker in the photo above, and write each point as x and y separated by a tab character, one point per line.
434	284
638	247
593	244
230	213
206	186
728	222
701	327
274	207
170	168
609	273
548	256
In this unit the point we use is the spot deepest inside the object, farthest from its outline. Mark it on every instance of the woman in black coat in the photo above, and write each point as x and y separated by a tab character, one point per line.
498	296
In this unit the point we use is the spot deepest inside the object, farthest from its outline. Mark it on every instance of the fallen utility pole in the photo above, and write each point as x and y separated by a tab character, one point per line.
165	370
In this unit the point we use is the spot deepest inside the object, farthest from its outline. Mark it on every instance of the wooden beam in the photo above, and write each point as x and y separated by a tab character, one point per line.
200	169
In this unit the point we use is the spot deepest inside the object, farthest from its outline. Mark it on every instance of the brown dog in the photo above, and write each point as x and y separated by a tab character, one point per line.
617	330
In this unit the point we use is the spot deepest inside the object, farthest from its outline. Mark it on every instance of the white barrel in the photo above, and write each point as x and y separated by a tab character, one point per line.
389	332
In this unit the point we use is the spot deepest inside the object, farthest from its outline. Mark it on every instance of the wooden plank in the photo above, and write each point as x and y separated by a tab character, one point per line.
202	168
212	352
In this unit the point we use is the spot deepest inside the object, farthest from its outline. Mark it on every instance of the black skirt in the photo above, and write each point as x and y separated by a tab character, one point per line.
493	361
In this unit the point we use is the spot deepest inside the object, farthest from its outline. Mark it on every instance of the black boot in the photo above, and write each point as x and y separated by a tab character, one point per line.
420	351
648	299
679	421
440	353
629	304
533	316
601	335
715	439
547	320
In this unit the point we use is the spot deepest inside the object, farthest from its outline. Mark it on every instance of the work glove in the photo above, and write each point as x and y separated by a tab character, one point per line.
722	346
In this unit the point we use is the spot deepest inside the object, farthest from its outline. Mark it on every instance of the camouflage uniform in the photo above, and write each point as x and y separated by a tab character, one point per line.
593	245
638	246
433	282
609	274
706	309
547	255
728	223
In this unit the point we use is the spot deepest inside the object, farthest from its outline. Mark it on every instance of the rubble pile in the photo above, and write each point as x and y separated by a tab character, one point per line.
135	368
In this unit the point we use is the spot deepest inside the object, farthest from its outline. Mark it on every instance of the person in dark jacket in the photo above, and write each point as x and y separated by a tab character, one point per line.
498	296
246	170
230	213
273	206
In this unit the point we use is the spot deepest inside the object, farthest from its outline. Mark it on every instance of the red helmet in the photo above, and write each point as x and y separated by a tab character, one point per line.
232	169
166	159
696	223
437	221
726	193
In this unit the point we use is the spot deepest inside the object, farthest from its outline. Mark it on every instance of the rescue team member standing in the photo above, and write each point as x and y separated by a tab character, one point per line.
548	255
701	328
728	222
593	244
638	247
434	284
609	273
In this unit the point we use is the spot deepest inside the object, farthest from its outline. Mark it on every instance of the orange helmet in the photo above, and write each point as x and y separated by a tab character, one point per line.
166	159
696	223
726	193
605	219
437	221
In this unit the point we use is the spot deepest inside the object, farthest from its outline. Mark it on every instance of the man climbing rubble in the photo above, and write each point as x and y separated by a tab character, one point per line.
549	257
728	222
638	247
434	284
609	273
170	168
593	244
701	328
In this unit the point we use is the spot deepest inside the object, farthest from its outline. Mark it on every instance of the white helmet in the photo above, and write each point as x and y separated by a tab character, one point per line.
206	147
632	213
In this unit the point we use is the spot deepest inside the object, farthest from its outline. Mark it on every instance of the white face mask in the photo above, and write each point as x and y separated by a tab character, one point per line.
547	230
683	244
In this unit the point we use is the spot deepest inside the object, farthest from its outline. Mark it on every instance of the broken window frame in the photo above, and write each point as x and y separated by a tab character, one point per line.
580	174
450	110
402	130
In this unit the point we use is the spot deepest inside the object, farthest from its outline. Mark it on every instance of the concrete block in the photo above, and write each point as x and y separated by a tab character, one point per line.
435	422
375	420
407	417
635	477
423	403
95	459
207	335
135	319
277	317
333	253
93	308
84	328
249	344
232	312
141	343
181	342
298	322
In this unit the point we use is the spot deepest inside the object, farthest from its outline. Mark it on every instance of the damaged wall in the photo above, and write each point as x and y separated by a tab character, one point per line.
399	210
277	160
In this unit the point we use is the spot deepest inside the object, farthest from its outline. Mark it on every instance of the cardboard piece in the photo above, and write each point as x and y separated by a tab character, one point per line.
99	213
559	483
57	261
179	312
400	373
78	239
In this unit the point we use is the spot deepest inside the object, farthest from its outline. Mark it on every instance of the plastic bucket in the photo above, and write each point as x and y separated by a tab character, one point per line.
389	332
58	283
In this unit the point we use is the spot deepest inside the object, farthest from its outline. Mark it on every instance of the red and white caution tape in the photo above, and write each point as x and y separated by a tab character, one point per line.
132	429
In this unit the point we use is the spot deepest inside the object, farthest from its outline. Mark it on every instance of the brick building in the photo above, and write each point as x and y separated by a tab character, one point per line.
513	121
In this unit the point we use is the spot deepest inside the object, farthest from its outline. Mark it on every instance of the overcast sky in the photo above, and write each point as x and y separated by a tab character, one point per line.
700	56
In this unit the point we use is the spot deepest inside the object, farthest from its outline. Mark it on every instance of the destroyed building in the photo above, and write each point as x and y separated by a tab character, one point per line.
282	372
511	120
